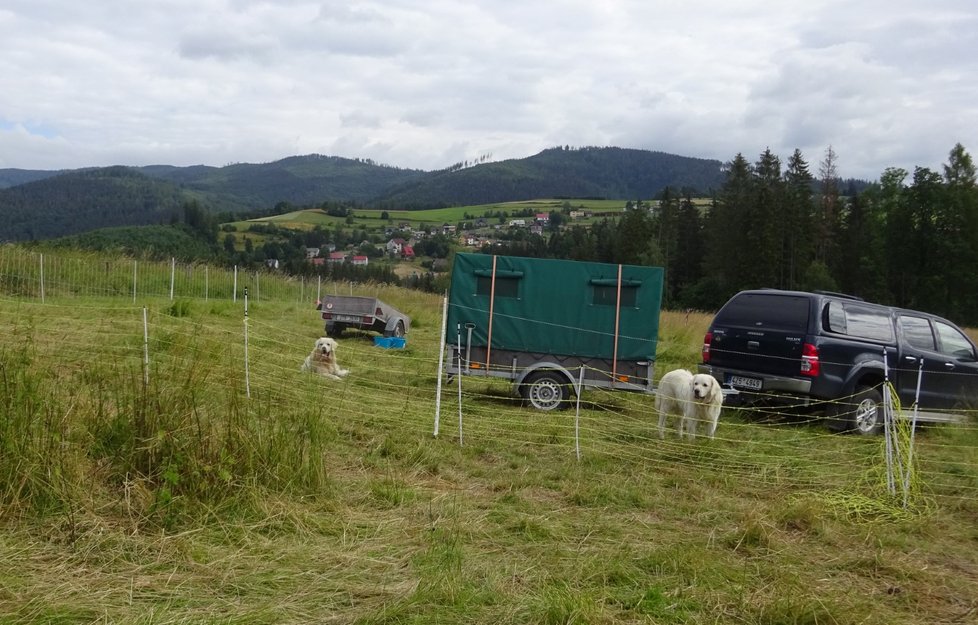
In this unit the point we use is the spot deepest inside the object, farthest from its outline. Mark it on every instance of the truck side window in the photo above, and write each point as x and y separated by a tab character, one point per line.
836	318
868	323
953	343
918	333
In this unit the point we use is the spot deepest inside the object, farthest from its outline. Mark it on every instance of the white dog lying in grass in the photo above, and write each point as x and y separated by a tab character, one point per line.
693	398
322	359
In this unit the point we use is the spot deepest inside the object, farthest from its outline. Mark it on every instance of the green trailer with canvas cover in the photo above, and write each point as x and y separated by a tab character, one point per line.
551	326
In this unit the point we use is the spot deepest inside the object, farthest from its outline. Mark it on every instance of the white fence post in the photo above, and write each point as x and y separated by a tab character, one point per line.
247	372
234	293
441	361
577	417
173	275
145	349
458	381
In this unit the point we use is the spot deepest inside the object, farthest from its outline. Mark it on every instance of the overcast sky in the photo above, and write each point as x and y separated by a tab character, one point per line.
426	83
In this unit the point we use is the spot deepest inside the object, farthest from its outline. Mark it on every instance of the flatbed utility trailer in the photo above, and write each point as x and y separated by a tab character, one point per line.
540	322
362	313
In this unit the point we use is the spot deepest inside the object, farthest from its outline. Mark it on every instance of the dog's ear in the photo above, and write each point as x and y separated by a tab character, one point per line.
716	393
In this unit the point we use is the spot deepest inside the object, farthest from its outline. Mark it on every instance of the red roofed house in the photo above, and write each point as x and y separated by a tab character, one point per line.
360	260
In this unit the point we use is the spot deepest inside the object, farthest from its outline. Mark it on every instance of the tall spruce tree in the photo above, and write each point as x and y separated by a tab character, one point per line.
961	203
729	248
763	266
797	249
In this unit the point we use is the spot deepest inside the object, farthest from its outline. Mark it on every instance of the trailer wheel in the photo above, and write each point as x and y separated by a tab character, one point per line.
546	390
398	330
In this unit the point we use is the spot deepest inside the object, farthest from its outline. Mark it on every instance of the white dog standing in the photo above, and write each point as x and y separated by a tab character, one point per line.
693	398
322	359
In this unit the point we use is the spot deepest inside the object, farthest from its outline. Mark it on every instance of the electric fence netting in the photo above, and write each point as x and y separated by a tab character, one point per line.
92	330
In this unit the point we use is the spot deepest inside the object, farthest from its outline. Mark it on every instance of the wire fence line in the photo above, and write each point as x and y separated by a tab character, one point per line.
393	391
266	365
47	275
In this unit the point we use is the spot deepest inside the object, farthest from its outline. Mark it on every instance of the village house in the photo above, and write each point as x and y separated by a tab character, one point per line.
312	252
337	258
360	260
395	247
517	223
542	218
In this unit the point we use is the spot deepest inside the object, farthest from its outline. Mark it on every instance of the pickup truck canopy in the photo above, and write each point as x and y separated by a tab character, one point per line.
565	307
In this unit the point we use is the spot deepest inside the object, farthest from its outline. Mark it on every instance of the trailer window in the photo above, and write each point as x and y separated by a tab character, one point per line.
607	295
505	286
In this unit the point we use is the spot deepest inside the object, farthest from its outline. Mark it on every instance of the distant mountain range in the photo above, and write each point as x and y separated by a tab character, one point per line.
46	204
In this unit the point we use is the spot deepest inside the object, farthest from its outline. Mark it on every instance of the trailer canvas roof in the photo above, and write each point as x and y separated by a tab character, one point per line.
562	307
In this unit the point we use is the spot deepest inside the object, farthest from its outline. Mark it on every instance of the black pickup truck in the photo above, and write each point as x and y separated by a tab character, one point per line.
826	351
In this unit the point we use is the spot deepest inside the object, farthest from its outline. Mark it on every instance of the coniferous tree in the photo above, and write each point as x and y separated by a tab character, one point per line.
899	234
796	223
727	233
827	215
961	203
764	219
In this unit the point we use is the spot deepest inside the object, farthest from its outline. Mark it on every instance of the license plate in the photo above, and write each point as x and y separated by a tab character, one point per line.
347	318
740	381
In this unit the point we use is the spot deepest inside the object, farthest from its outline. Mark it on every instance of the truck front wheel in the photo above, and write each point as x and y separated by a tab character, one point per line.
546	390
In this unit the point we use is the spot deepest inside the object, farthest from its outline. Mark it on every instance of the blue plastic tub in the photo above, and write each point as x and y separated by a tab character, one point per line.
390	342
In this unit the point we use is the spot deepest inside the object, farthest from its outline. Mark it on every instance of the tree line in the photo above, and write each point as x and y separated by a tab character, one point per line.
909	240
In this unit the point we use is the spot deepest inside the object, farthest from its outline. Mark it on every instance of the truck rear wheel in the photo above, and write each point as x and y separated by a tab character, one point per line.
860	414
546	390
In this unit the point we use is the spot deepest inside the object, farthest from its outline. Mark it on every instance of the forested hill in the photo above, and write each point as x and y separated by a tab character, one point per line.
560	172
86	200
300	180
40	205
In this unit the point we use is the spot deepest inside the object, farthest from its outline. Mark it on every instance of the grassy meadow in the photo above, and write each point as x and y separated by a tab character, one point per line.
372	219
157	467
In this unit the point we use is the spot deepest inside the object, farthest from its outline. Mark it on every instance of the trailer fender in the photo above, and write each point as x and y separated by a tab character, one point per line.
396	326
548	366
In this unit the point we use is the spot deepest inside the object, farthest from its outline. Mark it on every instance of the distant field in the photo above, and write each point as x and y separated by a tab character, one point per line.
371	219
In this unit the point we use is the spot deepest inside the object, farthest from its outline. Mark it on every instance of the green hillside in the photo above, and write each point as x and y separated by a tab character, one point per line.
85	200
559	172
40	205
299	180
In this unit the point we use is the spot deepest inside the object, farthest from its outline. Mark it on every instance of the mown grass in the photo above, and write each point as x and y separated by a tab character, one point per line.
185	492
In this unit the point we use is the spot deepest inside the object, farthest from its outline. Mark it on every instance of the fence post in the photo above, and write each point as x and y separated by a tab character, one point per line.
42	278
145	349
441	361
577	417
247	372
458	381
173	275
234	292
